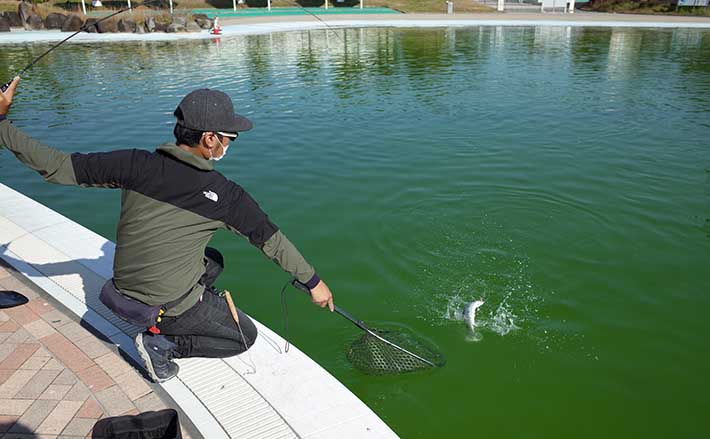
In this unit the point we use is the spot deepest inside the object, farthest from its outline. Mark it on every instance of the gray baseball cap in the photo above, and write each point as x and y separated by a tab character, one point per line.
210	110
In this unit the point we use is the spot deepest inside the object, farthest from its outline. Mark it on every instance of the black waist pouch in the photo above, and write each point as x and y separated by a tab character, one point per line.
163	424
131	310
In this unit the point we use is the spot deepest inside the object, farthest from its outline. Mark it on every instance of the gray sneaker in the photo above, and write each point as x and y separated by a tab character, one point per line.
156	353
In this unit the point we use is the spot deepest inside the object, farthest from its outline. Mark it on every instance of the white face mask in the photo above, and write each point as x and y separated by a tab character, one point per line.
224	152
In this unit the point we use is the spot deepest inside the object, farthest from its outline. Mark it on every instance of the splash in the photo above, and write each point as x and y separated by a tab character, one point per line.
501	321
480	262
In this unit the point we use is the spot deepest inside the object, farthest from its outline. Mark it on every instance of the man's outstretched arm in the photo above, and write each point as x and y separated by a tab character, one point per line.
102	169
279	249
247	219
54	166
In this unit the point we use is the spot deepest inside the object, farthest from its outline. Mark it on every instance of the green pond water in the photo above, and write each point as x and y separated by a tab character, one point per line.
561	174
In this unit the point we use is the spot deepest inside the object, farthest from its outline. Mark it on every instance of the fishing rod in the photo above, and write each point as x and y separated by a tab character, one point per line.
370	332
317	18
84	27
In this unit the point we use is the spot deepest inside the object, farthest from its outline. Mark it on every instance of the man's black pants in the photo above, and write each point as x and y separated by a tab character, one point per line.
208	328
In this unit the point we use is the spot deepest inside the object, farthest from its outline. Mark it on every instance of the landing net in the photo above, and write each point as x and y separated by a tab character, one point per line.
374	356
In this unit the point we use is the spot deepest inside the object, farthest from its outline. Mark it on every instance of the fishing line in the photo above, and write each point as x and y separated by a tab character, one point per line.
84	27
284	307
317	18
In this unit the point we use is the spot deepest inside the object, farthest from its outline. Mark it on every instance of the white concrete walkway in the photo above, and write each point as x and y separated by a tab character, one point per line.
288	395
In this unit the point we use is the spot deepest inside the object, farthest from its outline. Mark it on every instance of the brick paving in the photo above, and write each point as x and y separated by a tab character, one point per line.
57	379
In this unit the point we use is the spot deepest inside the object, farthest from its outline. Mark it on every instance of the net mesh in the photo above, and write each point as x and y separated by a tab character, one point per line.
376	357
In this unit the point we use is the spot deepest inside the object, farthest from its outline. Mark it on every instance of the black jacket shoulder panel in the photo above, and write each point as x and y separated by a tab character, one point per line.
206	193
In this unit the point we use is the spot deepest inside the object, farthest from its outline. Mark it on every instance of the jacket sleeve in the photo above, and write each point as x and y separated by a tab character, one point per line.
103	169
54	166
247	219
280	250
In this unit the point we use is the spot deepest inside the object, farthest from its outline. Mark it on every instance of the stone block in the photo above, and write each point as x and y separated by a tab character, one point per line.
14	407
16	382
180	21
175	28
34	22
22	314
78	393
24	10
53	364
78	427
56	318
73	23
193	27
34	415
133	385
56	391
39	328
54	20
90	25
75	332
19	355
15	21
114	401
203	21
107	26
38	384
66	352
20	336
149	24
91	409
92	347
114	365
66	377
149	402
126	25
95	378
59	417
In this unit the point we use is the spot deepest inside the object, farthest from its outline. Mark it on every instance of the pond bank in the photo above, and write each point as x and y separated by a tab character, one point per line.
261	25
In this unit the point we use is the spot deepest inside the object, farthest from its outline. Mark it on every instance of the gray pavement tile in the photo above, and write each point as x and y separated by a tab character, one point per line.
58	419
114	401
38	384
33	416
78	393
65	377
79	427
56	318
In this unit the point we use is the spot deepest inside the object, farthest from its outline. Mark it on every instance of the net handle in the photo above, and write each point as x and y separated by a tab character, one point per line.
360	324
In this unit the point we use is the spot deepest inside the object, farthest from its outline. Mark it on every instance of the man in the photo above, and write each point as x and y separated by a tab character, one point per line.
172	203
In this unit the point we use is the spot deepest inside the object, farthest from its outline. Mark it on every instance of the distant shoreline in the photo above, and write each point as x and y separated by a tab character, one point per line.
580	17
262	25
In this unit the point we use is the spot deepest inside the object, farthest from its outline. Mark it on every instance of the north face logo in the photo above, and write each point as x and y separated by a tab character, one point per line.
211	196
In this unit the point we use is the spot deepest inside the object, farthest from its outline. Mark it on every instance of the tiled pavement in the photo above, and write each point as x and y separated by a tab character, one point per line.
57	379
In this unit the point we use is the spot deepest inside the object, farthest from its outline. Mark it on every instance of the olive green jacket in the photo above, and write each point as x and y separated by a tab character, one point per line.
172	203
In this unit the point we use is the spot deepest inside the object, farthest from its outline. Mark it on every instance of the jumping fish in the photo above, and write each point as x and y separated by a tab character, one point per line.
469	313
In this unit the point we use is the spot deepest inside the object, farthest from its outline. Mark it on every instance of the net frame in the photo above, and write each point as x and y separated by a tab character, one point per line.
383	352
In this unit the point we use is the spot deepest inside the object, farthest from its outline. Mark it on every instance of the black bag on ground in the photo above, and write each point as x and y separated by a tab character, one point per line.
163	424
